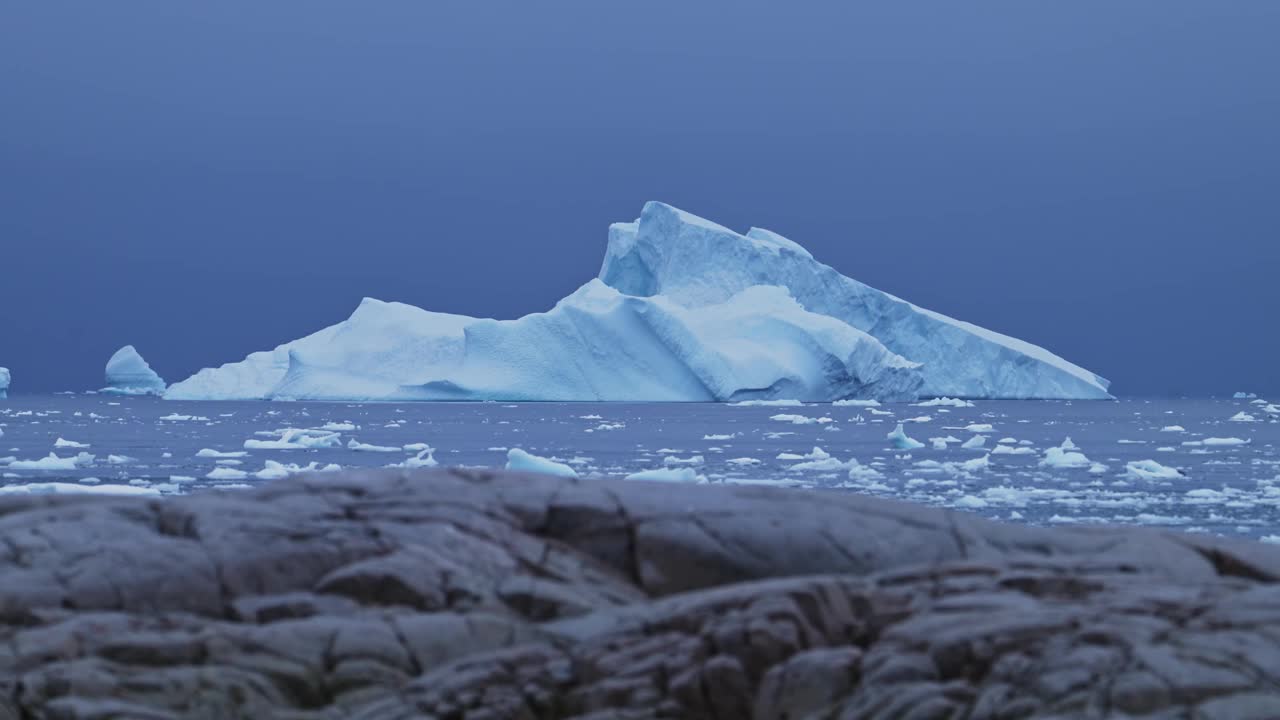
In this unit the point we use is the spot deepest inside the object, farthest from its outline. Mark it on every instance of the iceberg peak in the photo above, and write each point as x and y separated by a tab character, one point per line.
128	374
695	262
4	382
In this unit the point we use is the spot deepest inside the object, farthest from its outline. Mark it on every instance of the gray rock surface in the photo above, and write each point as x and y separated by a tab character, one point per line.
477	594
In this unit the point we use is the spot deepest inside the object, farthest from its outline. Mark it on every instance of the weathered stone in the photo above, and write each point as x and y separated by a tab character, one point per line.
486	594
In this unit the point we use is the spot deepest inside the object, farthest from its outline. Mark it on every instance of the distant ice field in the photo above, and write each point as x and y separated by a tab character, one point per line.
1202	465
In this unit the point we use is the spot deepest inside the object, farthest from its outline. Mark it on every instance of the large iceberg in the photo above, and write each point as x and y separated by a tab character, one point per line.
4	383
683	310
129	374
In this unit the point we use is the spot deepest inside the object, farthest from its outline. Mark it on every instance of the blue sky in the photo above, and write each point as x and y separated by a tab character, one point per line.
205	180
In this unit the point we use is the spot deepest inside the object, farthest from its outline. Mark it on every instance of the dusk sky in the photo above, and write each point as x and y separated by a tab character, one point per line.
203	180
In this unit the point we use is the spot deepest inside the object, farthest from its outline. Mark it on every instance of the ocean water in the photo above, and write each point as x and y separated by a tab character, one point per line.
1217	474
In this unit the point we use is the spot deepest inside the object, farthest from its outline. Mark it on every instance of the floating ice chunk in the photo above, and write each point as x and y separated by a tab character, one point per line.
338	427
53	462
743	461
296	439
226	473
5	377
1151	470
728	436
1173	429
977	442
862	473
946	402
64	443
211	453
121	459
1244	396
65	488
1217	442
900	440
1012	450
978	428
424	459
970	502
1243	417
801	419
128	374
940	443
357	446
418	447
1271	539
685	474
273	470
673	460
175	417
518	459
856	403
816	454
920	419
1065	456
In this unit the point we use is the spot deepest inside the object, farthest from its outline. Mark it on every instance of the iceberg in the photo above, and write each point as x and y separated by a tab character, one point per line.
4	382
128	374
682	310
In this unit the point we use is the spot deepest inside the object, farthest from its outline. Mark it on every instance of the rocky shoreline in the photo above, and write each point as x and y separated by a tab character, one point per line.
489	594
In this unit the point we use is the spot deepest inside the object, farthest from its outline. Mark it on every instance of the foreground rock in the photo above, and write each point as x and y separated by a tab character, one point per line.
450	594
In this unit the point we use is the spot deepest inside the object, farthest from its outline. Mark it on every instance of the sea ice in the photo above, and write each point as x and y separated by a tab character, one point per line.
5	377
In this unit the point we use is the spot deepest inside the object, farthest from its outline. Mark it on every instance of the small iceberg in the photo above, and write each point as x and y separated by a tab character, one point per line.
518	459
128	374
1066	455
900	440
4	382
